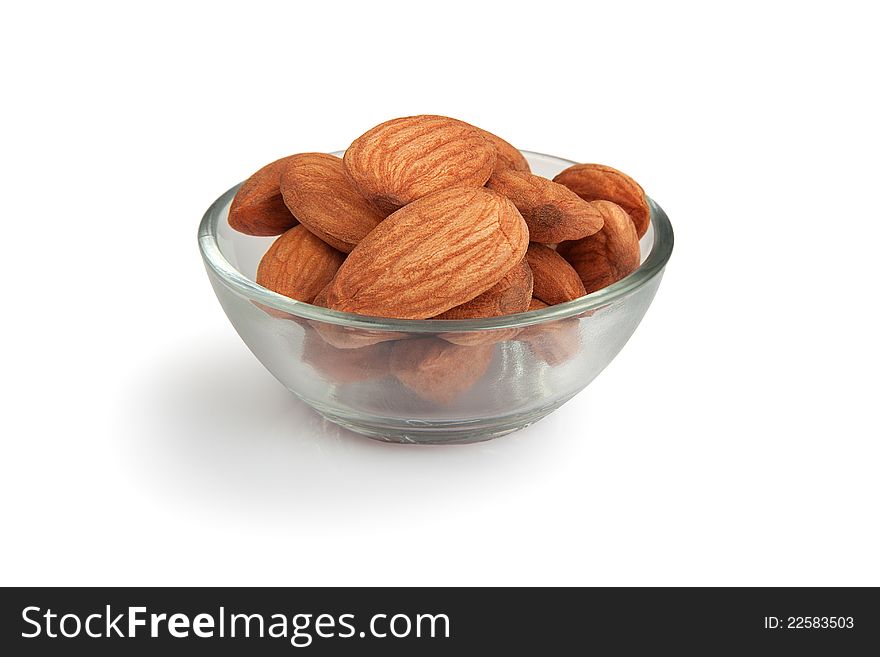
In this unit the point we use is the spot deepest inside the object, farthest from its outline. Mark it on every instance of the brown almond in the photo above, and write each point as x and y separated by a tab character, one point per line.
553	212
594	182
508	296
439	371
317	191
609	255
321	297
432	255
405	159
258	208
298	265
508	156
555	281
553	342
479	338
348	337
342	366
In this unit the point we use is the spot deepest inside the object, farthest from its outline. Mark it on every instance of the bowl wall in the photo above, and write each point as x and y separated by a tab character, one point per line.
422	382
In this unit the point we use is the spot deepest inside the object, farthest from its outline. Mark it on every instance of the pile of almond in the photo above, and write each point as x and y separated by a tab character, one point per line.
430	217
427	217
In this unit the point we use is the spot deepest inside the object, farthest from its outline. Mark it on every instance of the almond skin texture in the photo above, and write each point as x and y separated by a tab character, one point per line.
405	159
508	156
317	191
298	265
553	212
434	254
610	254
321	297
555	281
436	370
537	304
597	182
508	296
258	208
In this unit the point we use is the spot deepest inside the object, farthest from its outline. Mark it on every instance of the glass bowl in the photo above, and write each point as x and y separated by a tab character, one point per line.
430	381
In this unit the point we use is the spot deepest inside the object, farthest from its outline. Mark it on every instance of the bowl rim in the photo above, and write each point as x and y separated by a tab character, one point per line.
661	250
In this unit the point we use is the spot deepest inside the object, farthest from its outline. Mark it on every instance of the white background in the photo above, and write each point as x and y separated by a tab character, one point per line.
733	441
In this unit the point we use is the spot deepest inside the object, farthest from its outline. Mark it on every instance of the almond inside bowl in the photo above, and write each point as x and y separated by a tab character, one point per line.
429	380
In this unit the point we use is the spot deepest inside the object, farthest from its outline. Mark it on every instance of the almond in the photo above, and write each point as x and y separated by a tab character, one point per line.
348	337
404	159
508	156
594	182
321	297
609	255
553	212
555	281
436	370
317	191
432	255
553	342
508	296
258	208
479	338
342	366
298	265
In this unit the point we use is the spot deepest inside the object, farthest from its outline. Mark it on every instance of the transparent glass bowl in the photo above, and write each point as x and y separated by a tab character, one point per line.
429	381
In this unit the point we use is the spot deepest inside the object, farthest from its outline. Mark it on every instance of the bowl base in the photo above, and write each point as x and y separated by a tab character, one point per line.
453	432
